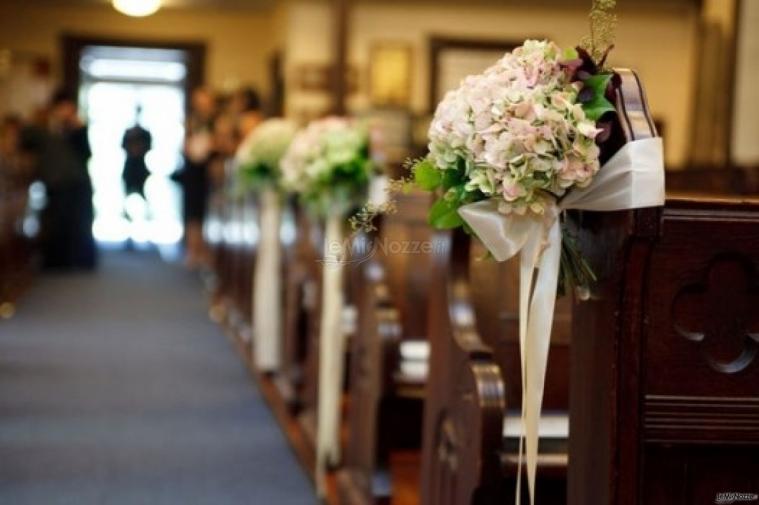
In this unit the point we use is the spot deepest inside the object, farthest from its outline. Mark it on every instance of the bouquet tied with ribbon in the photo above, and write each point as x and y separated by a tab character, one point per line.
510	150
329	166
258	169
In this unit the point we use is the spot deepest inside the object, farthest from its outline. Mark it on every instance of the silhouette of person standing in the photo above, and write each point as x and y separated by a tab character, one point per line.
136	143
61	152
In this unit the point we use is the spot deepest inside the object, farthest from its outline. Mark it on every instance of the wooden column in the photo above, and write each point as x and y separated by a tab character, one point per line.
340	65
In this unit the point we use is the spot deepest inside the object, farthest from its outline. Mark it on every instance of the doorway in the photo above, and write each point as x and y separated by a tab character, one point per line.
120	85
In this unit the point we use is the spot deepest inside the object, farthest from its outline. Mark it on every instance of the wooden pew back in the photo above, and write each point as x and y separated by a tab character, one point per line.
666	408
390	287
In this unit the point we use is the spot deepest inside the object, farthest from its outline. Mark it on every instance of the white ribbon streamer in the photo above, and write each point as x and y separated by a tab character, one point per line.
267	316
633	178
331	351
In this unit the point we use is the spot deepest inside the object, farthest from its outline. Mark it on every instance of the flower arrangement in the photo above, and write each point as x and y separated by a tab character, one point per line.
524	132
509	151
328	164
260	153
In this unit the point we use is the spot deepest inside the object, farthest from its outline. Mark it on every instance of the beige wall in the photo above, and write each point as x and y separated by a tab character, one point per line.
308	40
656	41
745	141
238	41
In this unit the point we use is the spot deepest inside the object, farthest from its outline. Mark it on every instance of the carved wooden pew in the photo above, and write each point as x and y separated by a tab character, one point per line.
311	290
232	232
247	216
474	395
302	282
213	232
220	233
666	408
297	379
472	418
389	280
15	249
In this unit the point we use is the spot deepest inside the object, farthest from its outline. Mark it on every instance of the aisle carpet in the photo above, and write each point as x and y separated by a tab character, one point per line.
115	388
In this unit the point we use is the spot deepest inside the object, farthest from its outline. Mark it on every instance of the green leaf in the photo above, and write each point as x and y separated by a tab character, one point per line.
570	53
598	83
427	176
452	178
597	108
599	105
444	215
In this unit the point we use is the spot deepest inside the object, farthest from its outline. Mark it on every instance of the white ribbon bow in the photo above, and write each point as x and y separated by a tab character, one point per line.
633	178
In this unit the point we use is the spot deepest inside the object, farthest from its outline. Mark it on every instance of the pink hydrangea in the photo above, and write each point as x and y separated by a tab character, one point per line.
519	129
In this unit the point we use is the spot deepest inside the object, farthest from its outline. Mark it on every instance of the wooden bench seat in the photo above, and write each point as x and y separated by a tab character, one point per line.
389	281
472	417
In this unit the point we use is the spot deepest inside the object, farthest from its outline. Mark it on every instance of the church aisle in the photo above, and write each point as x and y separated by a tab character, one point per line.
115	388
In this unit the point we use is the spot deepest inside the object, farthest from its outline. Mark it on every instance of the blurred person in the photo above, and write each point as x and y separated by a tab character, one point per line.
136	143
246	106
198	150
61	153
225	141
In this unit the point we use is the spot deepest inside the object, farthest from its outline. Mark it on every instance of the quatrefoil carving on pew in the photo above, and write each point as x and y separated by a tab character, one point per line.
721	314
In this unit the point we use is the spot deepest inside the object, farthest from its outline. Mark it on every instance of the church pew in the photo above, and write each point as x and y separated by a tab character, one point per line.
232	233
389	282
246	259
300	254
219	232
308	340
16	252
666	408
297	380
471	420
728	180
234	236
472	410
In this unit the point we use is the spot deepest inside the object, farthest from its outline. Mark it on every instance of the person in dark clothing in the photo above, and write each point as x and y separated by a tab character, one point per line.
194	177
61	154
136	143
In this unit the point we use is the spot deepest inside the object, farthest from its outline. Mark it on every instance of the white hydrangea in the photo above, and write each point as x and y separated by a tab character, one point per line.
320	148
266	144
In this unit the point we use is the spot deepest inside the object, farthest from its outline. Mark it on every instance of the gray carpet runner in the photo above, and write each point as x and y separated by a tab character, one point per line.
115	388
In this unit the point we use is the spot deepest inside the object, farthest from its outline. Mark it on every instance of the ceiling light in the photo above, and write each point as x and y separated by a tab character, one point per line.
137	8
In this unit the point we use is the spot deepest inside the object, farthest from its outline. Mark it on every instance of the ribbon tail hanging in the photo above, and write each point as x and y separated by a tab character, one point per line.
528	257
331	351
538	342
267	318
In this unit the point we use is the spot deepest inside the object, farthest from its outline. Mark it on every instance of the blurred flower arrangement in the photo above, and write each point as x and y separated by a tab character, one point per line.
261	152
329	165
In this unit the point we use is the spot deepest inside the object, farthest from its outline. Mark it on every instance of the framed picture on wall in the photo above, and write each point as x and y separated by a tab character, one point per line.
390	74
452	59
317	77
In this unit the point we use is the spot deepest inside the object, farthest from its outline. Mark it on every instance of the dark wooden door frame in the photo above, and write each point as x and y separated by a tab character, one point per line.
72	46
